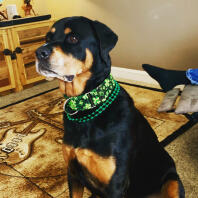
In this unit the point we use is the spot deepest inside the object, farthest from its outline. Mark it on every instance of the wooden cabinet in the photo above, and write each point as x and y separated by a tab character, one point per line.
17	54
7	79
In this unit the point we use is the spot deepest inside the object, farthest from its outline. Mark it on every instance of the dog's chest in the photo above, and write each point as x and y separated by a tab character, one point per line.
101	168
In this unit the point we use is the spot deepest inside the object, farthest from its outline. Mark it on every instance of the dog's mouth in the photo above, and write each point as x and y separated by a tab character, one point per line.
69	78
50	74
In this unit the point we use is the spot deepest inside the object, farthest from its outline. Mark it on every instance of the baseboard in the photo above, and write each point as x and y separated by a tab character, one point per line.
133	76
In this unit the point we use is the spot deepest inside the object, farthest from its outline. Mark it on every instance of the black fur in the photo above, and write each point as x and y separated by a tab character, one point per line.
142	165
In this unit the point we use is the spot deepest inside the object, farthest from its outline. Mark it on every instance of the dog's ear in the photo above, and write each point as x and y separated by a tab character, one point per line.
107	39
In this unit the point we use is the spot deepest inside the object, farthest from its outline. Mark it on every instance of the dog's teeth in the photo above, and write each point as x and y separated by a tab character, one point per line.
49	78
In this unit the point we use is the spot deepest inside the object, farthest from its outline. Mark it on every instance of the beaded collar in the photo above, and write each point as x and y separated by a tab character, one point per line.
99	98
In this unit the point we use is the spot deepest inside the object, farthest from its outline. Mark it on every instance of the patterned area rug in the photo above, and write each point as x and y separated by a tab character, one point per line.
31	162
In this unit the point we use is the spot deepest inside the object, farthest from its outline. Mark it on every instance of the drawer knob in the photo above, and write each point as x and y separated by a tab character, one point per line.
7	52
18	50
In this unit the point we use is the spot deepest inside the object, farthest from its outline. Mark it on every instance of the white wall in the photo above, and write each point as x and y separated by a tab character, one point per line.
160	32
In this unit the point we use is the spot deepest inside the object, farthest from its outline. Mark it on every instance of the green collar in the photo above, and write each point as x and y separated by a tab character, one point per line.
99	98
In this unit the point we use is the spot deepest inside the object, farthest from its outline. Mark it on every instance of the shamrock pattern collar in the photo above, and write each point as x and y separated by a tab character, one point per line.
91	99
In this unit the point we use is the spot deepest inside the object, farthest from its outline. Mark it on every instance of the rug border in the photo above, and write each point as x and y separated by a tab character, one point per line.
20	101
125	83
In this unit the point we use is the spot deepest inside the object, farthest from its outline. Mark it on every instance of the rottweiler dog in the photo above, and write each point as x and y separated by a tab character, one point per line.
108	145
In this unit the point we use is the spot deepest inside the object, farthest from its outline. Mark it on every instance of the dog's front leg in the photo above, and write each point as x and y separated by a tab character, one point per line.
76	189
115	195
115	191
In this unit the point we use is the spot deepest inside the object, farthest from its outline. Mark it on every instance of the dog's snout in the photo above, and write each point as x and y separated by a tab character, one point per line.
43	53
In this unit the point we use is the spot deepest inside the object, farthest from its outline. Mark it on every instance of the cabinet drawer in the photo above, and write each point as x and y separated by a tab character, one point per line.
32	33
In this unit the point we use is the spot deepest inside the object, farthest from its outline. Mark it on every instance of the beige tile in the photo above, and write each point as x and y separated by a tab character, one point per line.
6	170
14	185
184	151
65	194
55	186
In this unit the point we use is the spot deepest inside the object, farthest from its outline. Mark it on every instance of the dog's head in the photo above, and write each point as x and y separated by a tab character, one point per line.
76	52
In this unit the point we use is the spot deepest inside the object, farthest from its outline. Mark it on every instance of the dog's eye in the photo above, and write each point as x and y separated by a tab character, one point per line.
72	39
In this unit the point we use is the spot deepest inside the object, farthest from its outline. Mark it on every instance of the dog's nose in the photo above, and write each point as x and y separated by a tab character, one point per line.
43	53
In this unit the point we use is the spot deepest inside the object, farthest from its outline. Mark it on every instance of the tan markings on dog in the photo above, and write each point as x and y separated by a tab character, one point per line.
77	86
67	30
66	64
68	153
62	86
170	189
53	30
102	168
88	61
